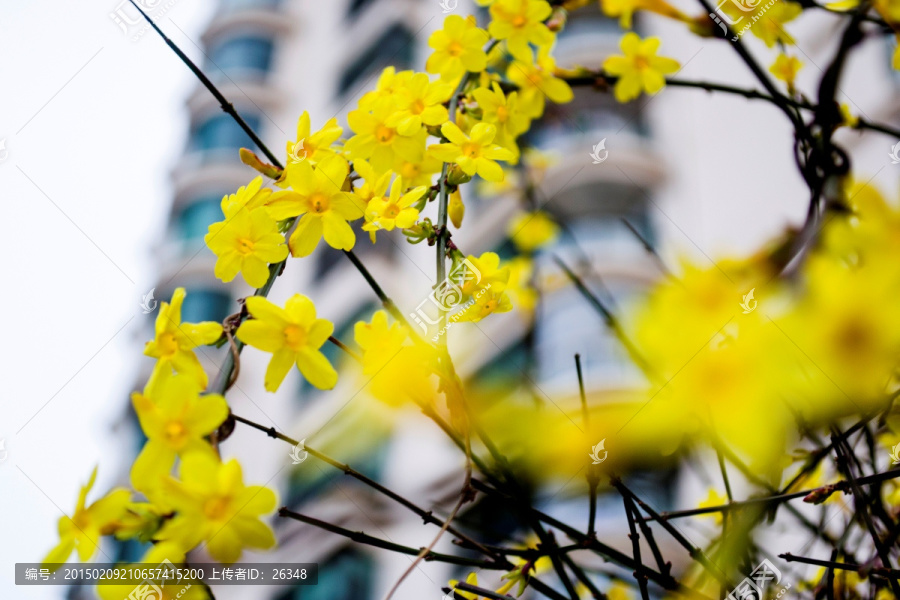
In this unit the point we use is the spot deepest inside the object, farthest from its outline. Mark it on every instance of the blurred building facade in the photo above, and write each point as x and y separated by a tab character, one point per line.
276	58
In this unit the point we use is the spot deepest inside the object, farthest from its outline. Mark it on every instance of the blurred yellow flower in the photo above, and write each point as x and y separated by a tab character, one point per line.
521	22
83	529
212	504
293	335
530	231
785	68
537	82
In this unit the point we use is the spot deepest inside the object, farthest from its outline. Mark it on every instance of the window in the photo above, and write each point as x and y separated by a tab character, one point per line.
221	133
206	305
242	56
346	575
239	5
193	221
394	47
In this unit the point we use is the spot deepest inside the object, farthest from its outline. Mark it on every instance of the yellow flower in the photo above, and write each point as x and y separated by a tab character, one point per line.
537	82
293	335
176	420
251	196
640	69
785	68
184	589
624	9
247	241
519	287
390	84
379	143
619	591
487	300
504	112
213	504
418	172
770	28
83	529
317	195
475	153
713	498
849	119
530	231
174	341
520	22
396	370
480	272
458	48
420	102
313	147
395	210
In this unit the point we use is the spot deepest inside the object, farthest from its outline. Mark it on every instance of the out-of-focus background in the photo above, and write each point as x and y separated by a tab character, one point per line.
113	161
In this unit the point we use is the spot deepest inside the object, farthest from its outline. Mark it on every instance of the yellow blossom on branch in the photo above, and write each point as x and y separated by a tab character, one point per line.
785	68
82	531
537	82
246	242
380	143
395	210
176	420
212	504
313	147
458	47
420	102
293	335
530	231
640	69
521	22
174	341
474	153
317	196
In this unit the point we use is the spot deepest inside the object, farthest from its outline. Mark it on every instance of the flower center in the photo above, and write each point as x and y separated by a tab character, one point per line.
384	134
471	150
319	203
244	246
455	48
294	337
519	21
641	62
418	107
81	519
502	114
167	344
216	508
392	211
409	170
175	432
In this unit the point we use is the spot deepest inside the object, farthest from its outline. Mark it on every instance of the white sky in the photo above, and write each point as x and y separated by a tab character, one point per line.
93	123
